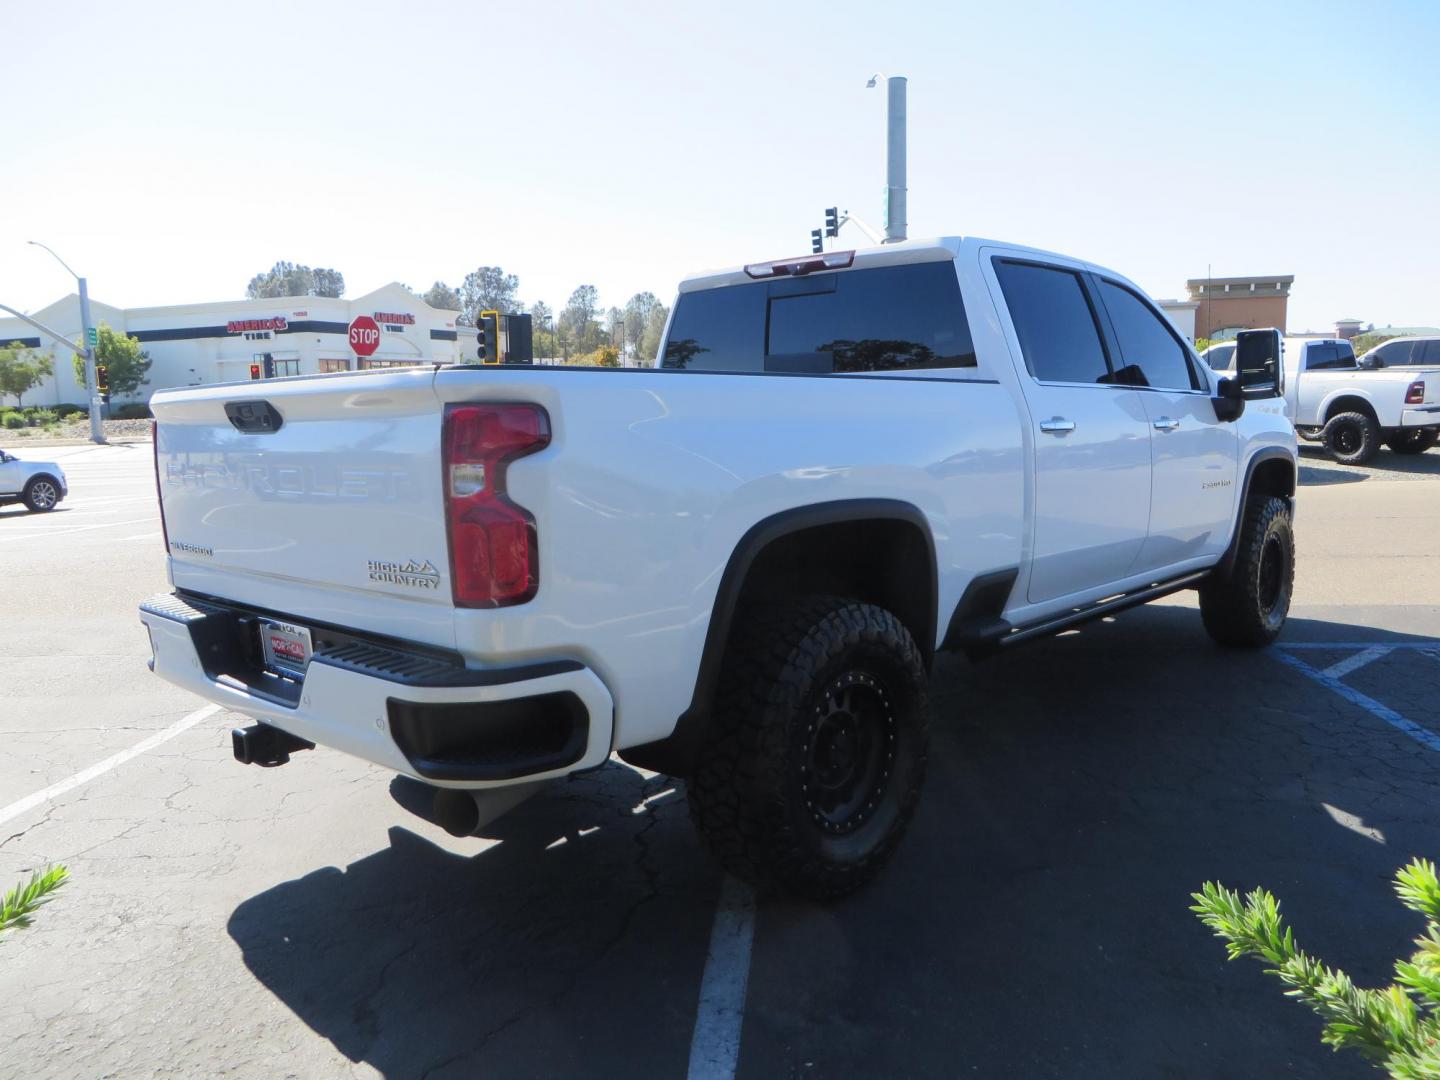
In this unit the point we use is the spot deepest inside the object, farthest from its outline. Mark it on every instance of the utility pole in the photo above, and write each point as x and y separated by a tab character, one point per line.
896	217
90	338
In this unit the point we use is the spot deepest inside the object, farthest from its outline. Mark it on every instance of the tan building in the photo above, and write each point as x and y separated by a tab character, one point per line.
1225	305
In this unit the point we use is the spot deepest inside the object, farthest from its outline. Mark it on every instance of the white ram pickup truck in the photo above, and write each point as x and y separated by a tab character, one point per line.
1350	405
735	568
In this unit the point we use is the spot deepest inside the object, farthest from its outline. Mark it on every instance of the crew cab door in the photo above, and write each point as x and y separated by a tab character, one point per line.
1194	455
1091	437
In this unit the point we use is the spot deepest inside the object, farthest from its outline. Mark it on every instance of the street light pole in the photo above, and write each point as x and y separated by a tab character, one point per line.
97	428
896	216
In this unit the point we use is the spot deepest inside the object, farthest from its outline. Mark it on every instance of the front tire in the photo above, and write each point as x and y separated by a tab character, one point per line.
817	747
1247	607
41	495
1413	440
1351	438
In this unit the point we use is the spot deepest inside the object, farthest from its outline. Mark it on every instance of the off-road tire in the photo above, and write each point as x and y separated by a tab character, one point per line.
1246	608
1351	438
1413	440
42	494
766	776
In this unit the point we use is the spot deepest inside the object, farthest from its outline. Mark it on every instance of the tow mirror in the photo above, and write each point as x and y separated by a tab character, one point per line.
1257	364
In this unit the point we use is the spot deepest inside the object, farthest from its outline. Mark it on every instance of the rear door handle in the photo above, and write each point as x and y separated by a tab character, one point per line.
1057	425
1166	423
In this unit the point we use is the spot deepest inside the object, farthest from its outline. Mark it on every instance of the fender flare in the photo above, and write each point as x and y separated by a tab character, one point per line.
1327	403
674	753
1268	453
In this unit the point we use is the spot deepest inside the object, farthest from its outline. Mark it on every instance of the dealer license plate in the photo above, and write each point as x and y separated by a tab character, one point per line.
287	646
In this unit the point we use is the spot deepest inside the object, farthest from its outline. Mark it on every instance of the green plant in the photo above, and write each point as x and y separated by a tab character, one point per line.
132	411
67	410
11	421
1397	1027
21	902
44	417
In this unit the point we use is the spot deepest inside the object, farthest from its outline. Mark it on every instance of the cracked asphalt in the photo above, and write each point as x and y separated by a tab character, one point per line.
302	922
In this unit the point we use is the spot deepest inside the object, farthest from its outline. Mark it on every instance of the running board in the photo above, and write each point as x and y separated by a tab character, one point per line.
999	634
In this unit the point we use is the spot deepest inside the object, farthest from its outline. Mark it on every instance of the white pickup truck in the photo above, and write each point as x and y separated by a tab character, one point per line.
735	568
1351	405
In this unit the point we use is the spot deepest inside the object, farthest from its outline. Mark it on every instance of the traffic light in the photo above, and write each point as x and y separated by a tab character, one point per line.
254	372
817	245
269	365
519	339
832	221
102	383
489	337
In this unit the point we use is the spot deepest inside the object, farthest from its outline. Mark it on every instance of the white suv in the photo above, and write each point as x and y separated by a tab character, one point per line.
40	485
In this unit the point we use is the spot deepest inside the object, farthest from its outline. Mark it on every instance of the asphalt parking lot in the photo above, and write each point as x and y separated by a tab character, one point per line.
234	921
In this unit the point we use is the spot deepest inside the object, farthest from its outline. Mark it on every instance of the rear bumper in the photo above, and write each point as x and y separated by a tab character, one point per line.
1424	416
416	711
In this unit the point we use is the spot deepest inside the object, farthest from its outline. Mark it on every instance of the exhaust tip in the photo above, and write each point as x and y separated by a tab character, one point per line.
456	812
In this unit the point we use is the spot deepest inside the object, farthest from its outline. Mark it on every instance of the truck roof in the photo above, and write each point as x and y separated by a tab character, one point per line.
933	249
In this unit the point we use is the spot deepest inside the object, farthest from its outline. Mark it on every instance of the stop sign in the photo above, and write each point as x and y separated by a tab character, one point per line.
364	335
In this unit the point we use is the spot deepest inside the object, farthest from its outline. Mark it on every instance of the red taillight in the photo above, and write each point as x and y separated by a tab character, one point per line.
1416	394
159	493
494	557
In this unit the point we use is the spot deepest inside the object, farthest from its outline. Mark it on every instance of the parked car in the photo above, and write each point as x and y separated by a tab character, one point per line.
1405	352
735	568
1220	356
40	485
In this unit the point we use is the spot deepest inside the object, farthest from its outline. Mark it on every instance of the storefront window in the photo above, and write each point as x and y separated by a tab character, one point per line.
371	364
287	367
334	365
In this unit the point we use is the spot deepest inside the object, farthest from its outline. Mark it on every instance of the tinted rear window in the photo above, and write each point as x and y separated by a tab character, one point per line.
885	319
1054	322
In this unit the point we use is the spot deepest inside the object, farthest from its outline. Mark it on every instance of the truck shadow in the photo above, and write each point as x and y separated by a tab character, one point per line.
1317	468
1034	923
573	941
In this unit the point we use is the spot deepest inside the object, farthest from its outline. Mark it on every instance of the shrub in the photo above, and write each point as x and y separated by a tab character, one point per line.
133	411
44	417
11	421
1397	1027
65	410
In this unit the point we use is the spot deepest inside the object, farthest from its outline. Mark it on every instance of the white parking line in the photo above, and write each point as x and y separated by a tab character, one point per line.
84	776
1356	662
715	1044
1424	736
41	533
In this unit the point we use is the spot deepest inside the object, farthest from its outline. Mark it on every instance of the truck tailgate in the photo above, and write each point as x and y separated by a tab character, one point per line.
337	514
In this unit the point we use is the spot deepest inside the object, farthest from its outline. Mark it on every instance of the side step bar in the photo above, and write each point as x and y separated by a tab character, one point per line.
988	636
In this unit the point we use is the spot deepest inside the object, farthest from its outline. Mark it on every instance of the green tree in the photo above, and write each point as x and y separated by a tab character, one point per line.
125	363
543	326
1363	343
637	313
615	328
1397	1027
654	330
442	296
22	369
579	318
292	279
489	288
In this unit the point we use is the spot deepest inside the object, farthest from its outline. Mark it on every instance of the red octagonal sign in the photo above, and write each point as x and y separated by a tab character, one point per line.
364	335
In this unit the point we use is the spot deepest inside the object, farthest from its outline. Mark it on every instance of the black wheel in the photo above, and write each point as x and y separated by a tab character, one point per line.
1247	607
1351	438
817	747
1413	440
41	494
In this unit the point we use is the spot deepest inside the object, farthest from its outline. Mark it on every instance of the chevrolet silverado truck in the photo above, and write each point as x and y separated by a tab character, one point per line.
1353	406
735	567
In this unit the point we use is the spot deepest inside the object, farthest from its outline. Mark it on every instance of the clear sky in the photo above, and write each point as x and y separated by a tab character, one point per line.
170	151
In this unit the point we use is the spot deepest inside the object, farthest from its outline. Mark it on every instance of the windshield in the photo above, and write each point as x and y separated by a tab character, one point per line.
1220	357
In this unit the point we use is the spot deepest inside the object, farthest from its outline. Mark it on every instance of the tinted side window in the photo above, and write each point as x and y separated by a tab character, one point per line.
1150	352
1318	357
718	330
1057	330
1432	353
884	319
1388	353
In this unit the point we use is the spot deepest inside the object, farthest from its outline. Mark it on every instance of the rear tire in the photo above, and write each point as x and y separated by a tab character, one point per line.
1351	438
1413	440
1247	607
42	494
817	747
